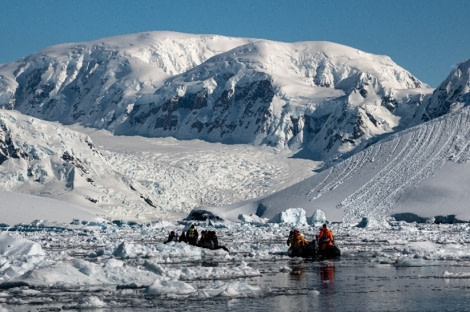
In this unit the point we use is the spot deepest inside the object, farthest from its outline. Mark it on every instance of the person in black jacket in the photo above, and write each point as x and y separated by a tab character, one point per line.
172	237
209	240
192	235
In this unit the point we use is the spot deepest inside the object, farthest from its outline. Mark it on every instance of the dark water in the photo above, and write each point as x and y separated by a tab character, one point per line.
342	286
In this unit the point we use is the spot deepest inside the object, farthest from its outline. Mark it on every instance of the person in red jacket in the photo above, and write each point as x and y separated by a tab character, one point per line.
325	238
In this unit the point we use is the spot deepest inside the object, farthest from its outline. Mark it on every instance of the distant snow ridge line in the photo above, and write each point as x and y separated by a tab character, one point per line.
324	98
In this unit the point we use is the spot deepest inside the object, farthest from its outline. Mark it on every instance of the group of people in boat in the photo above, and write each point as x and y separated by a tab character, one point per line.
208	239
323	245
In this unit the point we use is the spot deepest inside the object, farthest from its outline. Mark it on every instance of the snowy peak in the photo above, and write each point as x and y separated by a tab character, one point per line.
54	83
329	64
322	64
170	52
264	92
451	95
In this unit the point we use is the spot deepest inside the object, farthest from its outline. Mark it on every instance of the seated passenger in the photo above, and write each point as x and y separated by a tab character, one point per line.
192	235
325	238
296	239
172	237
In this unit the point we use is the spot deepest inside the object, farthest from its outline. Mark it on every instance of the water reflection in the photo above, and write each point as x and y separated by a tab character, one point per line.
327	272
327	278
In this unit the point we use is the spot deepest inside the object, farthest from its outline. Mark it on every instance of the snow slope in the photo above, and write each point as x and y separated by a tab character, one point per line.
46	159
423	171
19	208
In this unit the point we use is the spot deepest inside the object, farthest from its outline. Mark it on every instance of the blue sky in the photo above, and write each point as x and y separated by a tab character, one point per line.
426	37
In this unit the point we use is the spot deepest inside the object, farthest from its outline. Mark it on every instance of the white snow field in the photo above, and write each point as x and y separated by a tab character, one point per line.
421	171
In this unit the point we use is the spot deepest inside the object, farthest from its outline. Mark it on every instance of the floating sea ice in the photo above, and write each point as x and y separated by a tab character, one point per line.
11	245
86	303
314	292
240	289
18	255
410	262
129	250
166	287
293	216
234	289
456	275
252	219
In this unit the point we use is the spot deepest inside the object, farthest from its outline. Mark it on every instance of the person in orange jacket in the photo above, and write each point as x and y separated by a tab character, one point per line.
325	237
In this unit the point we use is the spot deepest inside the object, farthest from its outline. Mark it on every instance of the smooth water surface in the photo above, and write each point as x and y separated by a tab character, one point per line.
343	286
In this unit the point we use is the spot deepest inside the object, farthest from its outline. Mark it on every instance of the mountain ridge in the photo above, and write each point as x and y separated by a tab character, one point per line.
324	98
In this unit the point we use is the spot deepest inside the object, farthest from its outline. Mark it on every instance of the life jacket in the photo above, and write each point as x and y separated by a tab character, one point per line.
326	237
191	234
297	240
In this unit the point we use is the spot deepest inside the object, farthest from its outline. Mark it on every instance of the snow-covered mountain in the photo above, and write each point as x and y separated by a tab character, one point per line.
323	98
423	168
451	95
346	112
